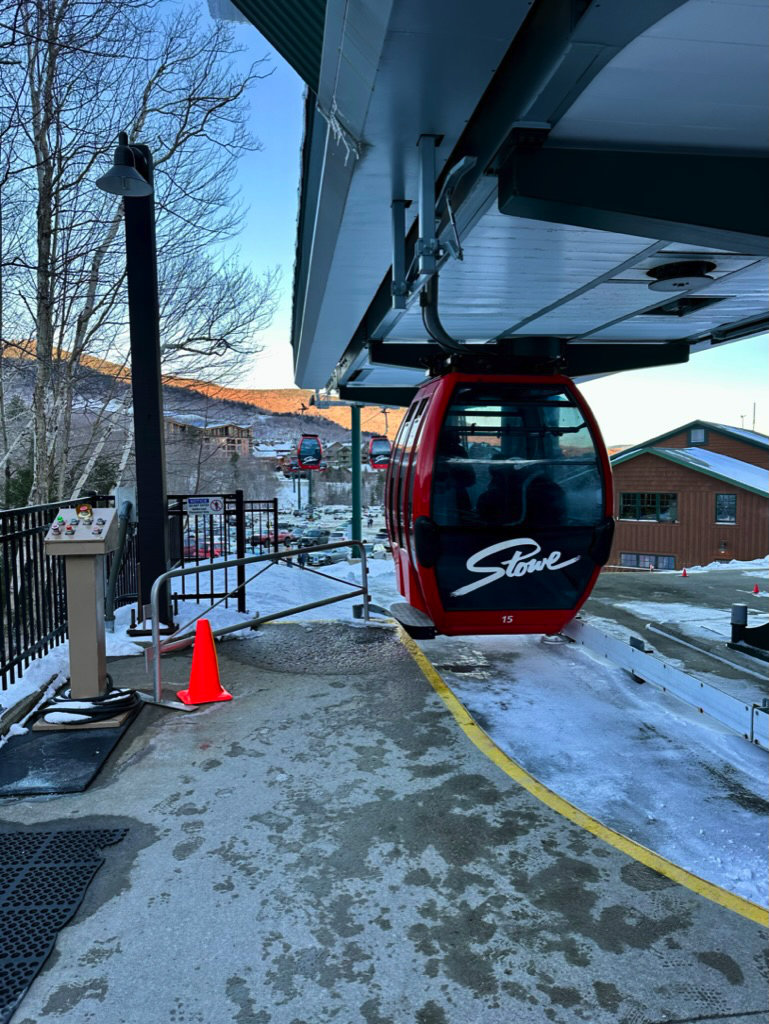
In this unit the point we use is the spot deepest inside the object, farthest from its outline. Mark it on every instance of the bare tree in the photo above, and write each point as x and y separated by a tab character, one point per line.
77	72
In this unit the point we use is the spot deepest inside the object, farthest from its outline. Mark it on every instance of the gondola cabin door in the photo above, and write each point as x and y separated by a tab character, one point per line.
498	503
309	452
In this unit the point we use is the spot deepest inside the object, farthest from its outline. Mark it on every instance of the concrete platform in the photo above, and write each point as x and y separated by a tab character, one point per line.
329	846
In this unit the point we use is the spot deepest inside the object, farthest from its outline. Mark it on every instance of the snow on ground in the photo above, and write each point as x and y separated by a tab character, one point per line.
627	754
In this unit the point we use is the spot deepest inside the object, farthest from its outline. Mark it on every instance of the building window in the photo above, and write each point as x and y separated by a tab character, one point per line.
649	507
631	560
726	508
697	435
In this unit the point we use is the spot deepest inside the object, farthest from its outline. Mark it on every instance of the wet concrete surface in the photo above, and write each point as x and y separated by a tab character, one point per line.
329	846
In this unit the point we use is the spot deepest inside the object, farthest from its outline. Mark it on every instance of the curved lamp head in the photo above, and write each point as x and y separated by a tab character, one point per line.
122	179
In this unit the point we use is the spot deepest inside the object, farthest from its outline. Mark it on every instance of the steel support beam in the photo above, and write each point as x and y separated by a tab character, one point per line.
403	354
395	397
709	200
578	358
357	530
588	359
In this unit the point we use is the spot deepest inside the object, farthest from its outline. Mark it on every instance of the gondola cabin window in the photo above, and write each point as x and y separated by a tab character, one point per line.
516	457
405	467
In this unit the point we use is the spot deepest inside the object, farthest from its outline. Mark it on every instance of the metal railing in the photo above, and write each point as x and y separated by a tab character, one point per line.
33	603
199	539
181	639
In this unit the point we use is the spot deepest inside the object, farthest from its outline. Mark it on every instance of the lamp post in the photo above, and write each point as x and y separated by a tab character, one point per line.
131	177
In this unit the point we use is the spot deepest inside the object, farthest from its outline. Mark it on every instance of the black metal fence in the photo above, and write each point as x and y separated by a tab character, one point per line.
224	526
33	612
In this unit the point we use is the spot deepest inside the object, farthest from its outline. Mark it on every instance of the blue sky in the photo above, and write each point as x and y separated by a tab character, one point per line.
721	385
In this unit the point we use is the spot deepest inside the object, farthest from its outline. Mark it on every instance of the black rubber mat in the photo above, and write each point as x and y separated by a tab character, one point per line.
43	878
56	761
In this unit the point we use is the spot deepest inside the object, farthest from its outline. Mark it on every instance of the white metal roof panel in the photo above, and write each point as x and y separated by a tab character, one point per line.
722	467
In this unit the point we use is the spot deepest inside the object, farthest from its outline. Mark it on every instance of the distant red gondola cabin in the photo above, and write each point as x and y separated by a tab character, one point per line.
379	449
498	502
309	452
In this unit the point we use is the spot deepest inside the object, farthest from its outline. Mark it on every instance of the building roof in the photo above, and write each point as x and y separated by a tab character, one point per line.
720	467
295	30
190	420
739	433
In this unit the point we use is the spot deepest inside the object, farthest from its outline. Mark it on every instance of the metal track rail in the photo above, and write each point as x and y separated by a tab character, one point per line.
748	720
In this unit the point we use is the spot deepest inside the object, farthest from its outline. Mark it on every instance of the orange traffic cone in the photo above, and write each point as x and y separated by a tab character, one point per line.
684	573
204	687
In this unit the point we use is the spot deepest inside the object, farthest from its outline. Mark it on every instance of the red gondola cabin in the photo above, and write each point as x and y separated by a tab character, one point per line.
498	503
309	452
379	449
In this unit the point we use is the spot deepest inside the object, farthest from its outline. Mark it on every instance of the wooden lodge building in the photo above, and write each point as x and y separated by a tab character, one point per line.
222	437
696	495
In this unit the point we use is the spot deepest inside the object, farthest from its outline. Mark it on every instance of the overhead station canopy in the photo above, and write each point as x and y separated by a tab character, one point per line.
556	183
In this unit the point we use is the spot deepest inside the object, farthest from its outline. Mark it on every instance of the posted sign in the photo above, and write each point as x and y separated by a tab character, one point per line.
205	506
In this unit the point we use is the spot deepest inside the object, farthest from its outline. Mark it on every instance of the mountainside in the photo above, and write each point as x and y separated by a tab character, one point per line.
288	401
275	414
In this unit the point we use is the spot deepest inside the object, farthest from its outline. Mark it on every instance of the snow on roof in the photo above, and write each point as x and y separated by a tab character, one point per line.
722	467
189	419
745	435
749	436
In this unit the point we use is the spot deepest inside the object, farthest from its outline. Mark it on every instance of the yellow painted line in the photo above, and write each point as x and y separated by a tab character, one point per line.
652	860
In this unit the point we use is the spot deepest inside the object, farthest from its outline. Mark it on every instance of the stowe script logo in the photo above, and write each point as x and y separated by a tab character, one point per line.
522	561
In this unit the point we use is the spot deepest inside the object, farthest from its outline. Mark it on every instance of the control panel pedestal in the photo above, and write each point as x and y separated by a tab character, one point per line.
83	536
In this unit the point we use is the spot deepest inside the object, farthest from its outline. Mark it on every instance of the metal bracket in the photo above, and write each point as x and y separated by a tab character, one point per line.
399	285
427	249
460	168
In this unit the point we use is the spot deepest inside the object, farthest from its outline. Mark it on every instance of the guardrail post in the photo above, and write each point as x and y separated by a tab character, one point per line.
739	622
240	548
357	533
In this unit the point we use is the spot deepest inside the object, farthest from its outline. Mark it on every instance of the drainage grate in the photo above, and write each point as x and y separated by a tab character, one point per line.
43	878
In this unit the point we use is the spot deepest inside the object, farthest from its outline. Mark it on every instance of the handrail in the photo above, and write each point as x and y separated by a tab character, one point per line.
124	516
271	556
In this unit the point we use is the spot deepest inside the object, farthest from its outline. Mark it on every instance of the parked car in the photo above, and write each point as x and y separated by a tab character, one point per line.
312	536
327	557
200	546
201	550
